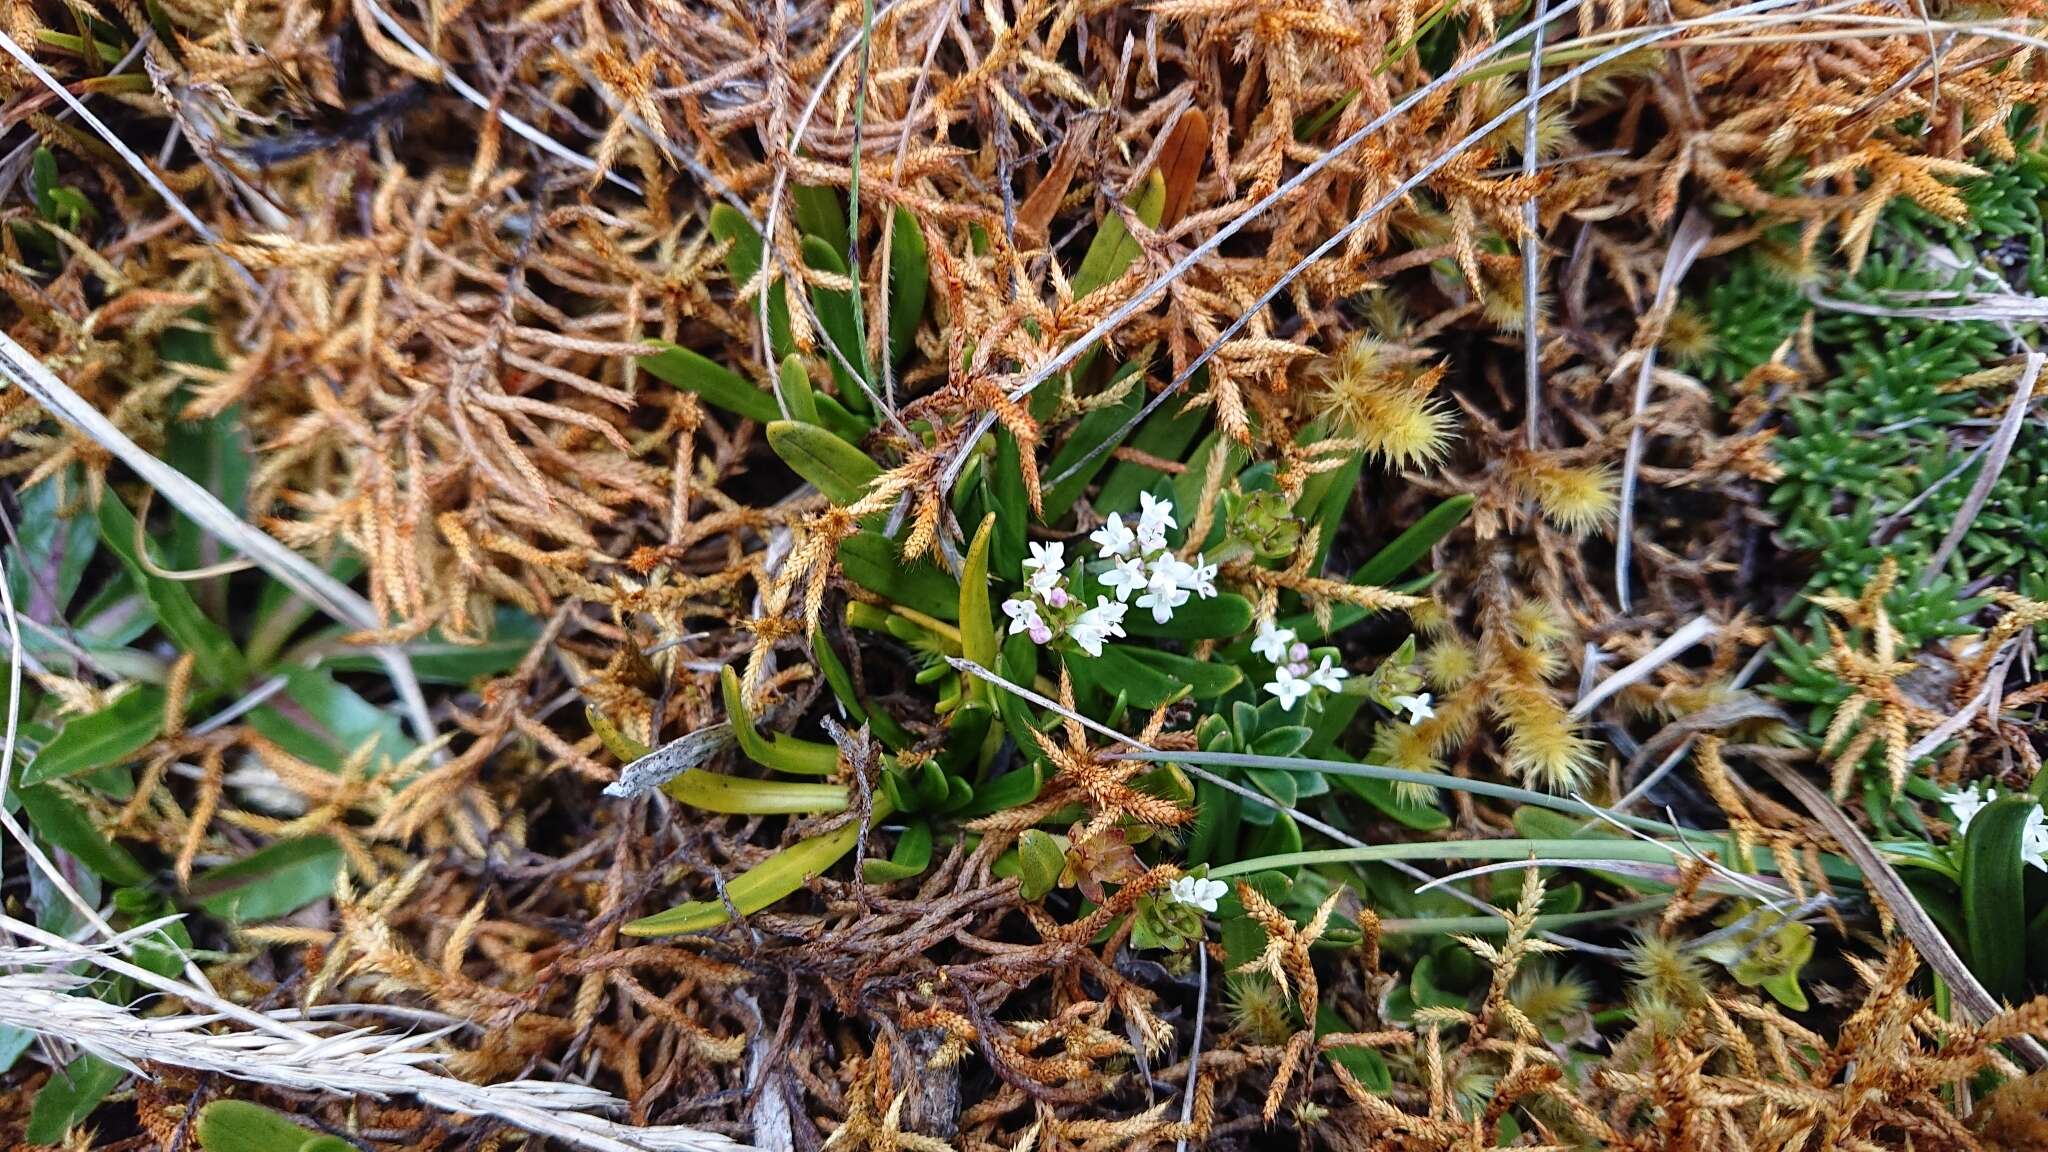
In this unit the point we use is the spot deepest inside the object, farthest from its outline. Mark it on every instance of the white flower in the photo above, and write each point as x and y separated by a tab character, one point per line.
1023	615
1154	518
1126	577
2034	839
1197	892
1097	624
1163	592
1050	560
1162	601
1329	676
1200	578
1288	687
1416	706
1272	643
1965	804
1113	538
1168	569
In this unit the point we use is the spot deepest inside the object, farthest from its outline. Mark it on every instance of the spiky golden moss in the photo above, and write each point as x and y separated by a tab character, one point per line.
1378	392
1579	499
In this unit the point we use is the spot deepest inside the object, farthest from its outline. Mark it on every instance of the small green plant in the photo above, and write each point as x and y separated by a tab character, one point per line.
239	1126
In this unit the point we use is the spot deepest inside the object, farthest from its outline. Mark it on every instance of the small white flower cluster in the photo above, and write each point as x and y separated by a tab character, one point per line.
1047	609
1292	676
1966	802
1139	564
1197	892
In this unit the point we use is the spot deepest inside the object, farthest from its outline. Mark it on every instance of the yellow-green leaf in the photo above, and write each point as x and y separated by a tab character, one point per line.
762	885
739	796
1114	247
782	753
977	620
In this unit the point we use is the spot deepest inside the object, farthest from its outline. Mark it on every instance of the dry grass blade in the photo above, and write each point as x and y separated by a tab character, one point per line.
1696	630
2002	440
367	1063
1694	230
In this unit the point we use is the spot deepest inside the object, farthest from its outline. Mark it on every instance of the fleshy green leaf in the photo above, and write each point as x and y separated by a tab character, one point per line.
780	752
763	884
909	282
819	213
1165	436
793	384
836	314
1011	505
1113	248
977	622
737	795
1405	550
912	856
874	562
1994	896
1206	679
1010	790
1042	860
714	382
838	469
743	264
1219	617
1094	437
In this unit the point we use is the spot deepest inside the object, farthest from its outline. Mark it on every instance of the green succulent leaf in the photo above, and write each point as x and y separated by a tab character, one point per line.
978	641
1219	617
780	752
739	795
1994	896
743	265
910	277
913	854
1042	860
838	469
713	382
793	385
874	562
762	885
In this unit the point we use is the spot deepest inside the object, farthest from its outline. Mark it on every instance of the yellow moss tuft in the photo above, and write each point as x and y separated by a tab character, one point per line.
1544	746
1376	392
1580	500
1687	335
1449	664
